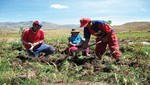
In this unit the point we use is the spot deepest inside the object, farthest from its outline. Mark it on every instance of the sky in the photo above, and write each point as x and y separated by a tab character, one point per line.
70	11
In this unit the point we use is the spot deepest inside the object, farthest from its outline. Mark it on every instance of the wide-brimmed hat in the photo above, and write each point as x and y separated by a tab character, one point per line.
84	22
74	31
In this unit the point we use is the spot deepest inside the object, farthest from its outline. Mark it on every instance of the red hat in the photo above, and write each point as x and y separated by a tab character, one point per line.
84	22
37	23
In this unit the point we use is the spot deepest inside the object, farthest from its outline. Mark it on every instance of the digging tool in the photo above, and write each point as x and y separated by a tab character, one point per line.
82	49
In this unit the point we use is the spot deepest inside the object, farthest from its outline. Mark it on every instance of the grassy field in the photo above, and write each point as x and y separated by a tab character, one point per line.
62	35
59	69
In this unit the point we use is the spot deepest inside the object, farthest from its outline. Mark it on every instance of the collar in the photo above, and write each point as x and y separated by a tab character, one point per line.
33	30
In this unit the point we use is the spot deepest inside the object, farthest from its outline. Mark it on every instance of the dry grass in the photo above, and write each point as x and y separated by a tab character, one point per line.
133	27
59	32
53	34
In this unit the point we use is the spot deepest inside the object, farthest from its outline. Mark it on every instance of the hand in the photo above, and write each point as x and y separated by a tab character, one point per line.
34	44
31	48
80	43
71	44
104	39
30	44
85	45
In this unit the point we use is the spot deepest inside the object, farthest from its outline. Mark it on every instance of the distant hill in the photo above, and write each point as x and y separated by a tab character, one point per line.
128	27
133	26
46	25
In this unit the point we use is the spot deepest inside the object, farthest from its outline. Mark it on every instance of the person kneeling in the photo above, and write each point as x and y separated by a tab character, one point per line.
33	40
76	42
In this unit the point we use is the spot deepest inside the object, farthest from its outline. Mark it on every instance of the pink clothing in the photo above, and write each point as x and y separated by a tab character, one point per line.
72	48
32	37
76	42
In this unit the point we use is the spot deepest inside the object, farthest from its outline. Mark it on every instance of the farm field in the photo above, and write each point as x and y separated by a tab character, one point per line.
60	69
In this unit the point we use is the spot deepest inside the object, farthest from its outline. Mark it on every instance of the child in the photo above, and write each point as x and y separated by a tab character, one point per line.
76	41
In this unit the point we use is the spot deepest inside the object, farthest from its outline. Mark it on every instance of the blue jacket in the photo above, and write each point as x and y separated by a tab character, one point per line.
75	39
